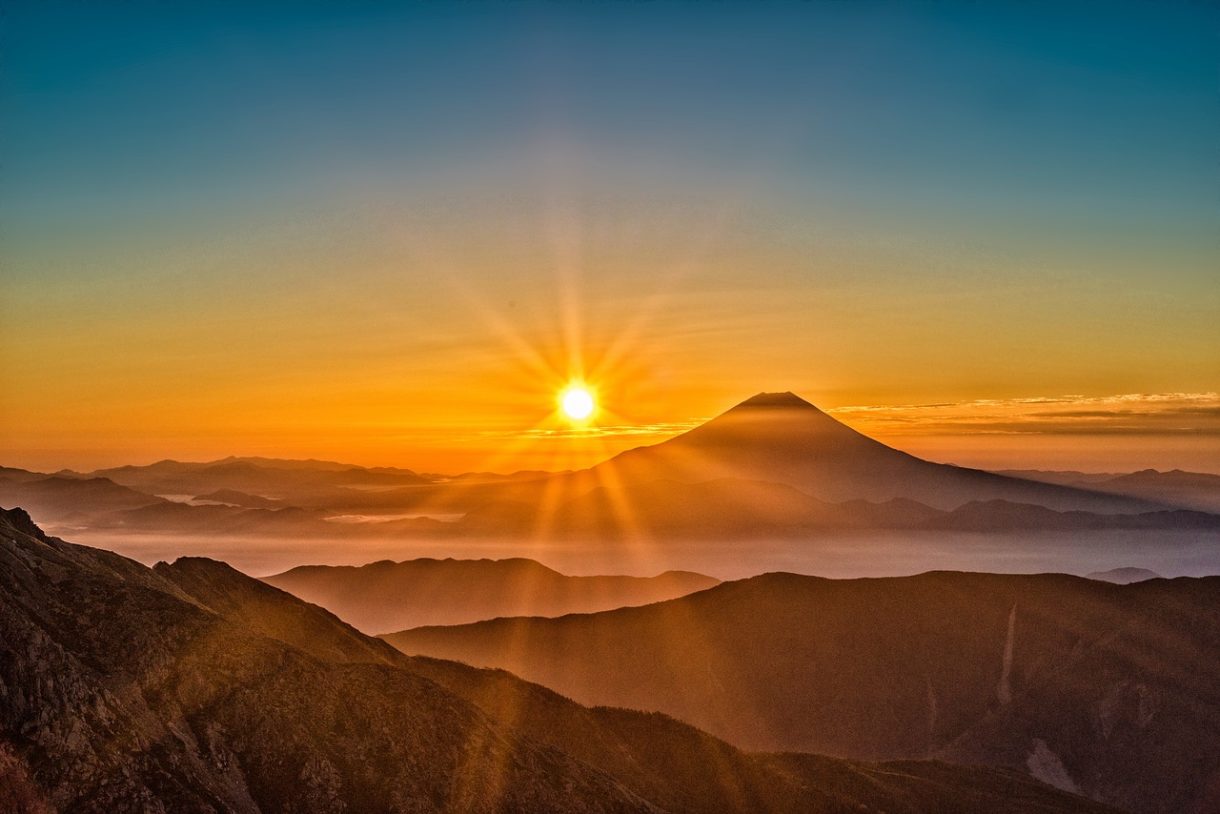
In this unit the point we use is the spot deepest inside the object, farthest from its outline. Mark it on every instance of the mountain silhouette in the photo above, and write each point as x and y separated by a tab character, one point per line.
1124	576
734	508
773	468
190	687
265	477
73	499
387	596
1111	690
781	438
1187	490
232	497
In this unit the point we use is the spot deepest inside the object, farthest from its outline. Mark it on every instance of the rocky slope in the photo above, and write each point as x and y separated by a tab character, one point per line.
123	693
192	688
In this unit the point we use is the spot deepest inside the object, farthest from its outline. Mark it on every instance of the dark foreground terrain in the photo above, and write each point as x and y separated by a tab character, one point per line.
1112	691
193	688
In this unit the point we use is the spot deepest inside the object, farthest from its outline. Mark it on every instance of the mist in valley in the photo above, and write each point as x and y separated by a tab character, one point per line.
838	556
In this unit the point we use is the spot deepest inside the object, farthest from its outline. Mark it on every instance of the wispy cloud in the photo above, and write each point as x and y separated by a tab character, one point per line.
620	431
1122	414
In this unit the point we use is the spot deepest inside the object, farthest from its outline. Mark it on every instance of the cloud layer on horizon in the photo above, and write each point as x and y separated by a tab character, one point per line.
1174	414
1122	414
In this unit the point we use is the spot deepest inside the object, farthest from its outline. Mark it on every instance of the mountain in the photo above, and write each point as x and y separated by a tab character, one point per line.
191	687
781	438
264	477
1188	490
1193	490
1124	576
1004	516
65	499
215	519
659	510
123	693
385	596
15	474
722	508
1106	689
232	497
774	466
732	508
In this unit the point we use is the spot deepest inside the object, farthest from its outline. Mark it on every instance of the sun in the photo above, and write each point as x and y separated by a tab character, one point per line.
577	402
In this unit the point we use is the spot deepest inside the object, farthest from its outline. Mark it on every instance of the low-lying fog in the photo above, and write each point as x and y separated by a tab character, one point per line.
1170	554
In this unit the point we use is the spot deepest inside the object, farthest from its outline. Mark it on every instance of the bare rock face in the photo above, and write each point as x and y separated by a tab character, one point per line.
193	688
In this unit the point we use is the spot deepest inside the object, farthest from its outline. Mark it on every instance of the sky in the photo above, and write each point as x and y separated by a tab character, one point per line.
391	233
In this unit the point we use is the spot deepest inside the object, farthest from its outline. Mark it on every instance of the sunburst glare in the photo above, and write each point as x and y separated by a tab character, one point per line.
577	402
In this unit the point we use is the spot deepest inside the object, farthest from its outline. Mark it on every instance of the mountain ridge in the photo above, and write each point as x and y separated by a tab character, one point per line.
195	688
1116	683
381	596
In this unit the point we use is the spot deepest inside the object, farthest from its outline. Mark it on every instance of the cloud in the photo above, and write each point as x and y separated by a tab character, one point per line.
620	431
1177	414
1123	414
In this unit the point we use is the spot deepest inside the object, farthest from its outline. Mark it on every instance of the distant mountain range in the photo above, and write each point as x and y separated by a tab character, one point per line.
1189	490
387	596
62	499
1110	690
774	466
1124	576
191	687
269	477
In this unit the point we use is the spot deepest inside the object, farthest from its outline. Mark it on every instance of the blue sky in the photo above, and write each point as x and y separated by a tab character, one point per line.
1110	107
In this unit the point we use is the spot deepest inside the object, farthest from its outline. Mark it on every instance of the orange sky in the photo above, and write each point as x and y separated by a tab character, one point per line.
331	243
439	357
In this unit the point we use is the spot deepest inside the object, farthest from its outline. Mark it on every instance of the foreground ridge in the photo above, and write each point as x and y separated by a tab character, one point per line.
191	687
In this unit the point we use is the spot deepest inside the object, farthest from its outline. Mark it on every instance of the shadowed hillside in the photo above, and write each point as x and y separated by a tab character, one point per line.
1188	490
1111	690
125	694
62	499
267	477
193	688
386	596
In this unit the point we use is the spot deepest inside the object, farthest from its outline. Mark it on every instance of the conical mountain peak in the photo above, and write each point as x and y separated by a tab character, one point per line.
785	399
781	438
